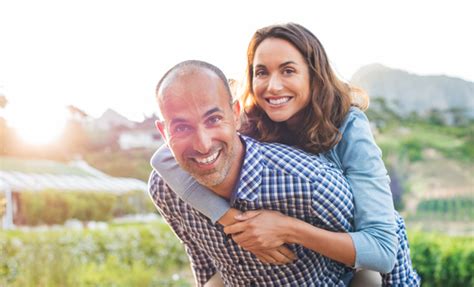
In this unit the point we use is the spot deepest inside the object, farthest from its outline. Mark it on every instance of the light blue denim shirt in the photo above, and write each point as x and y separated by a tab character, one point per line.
360	159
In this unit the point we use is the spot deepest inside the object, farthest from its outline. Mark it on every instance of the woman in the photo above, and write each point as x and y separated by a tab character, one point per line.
292	96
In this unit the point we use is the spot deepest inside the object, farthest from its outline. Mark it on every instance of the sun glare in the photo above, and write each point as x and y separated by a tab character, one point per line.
39	129
47	133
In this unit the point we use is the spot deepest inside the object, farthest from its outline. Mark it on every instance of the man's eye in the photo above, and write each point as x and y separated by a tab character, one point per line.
180	129
214	120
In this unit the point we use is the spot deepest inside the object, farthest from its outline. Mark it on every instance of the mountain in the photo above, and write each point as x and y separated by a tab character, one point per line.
404	92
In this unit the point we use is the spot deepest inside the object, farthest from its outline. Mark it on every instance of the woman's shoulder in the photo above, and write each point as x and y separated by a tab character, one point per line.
355	118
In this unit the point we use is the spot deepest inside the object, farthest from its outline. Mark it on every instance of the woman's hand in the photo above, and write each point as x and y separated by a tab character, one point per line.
259	229
273	253
280	255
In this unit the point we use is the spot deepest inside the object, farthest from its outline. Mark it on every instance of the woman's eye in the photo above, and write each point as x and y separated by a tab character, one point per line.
288	71
259	73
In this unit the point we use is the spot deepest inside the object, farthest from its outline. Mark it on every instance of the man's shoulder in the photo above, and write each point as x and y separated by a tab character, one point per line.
291	160
156	185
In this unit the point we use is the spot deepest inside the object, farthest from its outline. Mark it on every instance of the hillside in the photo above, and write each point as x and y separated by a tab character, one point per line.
406	92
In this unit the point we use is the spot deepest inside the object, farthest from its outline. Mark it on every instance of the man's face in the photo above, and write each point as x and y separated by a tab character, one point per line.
200	125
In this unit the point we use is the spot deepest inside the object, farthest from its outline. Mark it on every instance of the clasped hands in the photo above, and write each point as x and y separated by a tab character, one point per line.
263	233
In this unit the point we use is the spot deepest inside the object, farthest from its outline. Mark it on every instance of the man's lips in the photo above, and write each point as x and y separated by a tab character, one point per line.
210	159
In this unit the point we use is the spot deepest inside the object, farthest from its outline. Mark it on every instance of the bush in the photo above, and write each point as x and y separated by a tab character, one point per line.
441	260
456	208
55	207
145	255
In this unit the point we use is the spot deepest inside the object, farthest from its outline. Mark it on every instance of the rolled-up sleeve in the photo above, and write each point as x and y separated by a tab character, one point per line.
375	238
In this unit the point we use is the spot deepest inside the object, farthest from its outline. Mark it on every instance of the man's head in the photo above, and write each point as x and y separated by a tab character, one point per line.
199	122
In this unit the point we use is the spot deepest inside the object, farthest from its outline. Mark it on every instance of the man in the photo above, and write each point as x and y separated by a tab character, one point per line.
199	124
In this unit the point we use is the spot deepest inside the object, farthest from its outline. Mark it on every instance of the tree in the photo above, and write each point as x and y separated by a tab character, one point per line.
436	117
3	101
3	126
75	138
3	206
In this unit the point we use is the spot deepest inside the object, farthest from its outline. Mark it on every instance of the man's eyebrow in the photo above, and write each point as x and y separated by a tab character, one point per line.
211	111
178	120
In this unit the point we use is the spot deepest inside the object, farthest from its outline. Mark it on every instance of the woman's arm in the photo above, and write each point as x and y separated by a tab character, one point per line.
263	229
374	243
374	238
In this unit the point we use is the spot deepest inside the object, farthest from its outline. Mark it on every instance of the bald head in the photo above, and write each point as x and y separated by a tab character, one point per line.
190	68
199	123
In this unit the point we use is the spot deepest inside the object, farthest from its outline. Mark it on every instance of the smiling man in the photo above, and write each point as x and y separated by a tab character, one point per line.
200	125
302	193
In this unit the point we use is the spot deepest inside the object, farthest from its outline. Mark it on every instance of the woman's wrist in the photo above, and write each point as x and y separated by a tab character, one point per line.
229	217
292	230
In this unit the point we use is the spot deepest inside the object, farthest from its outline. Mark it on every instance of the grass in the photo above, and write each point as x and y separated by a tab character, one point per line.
146	255
131	163
39	166
122	255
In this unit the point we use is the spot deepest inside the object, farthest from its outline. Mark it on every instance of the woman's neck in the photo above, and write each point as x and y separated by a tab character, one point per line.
295	121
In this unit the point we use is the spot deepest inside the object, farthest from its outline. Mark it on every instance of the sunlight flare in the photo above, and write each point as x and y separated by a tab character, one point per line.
38	127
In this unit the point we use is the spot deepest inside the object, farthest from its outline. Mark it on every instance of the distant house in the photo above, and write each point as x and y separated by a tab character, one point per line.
19	175
143	135
111	119
148	139
130	134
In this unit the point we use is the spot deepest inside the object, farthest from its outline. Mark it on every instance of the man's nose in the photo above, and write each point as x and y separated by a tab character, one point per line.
202	141
275	84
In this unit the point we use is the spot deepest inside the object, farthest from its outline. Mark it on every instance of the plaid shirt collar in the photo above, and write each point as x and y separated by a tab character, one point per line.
250	181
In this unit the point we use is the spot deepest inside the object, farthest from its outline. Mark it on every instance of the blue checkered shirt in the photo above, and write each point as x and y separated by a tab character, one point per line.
273	177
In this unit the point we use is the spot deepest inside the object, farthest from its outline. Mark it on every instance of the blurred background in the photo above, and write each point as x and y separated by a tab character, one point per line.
77	116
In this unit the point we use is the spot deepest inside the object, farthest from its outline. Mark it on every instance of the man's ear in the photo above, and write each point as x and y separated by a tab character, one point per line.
160	126
236	112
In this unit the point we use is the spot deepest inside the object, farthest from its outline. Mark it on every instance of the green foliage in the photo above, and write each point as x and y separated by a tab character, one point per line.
132	163
412	149
441	260
40	167
151	255
456	208
146	255
452	142
55	207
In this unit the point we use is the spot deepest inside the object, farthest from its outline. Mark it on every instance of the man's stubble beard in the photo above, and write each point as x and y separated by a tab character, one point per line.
215	177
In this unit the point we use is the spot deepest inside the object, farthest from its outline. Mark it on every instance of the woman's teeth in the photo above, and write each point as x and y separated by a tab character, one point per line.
278	101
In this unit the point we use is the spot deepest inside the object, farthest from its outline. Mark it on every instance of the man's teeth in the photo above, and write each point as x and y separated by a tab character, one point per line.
278	101
208	159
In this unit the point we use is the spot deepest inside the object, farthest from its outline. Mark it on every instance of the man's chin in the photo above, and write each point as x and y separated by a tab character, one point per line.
208	180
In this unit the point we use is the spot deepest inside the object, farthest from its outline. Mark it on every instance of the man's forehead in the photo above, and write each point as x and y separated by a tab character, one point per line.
186	78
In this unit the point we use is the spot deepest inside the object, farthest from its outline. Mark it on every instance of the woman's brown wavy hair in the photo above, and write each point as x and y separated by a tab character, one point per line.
330	97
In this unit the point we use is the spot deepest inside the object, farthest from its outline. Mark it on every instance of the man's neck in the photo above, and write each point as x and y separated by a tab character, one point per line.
226	188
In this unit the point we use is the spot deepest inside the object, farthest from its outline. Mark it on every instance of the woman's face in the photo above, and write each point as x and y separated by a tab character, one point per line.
280	80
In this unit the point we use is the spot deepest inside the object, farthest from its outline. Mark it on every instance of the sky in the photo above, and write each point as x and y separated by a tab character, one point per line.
99	54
